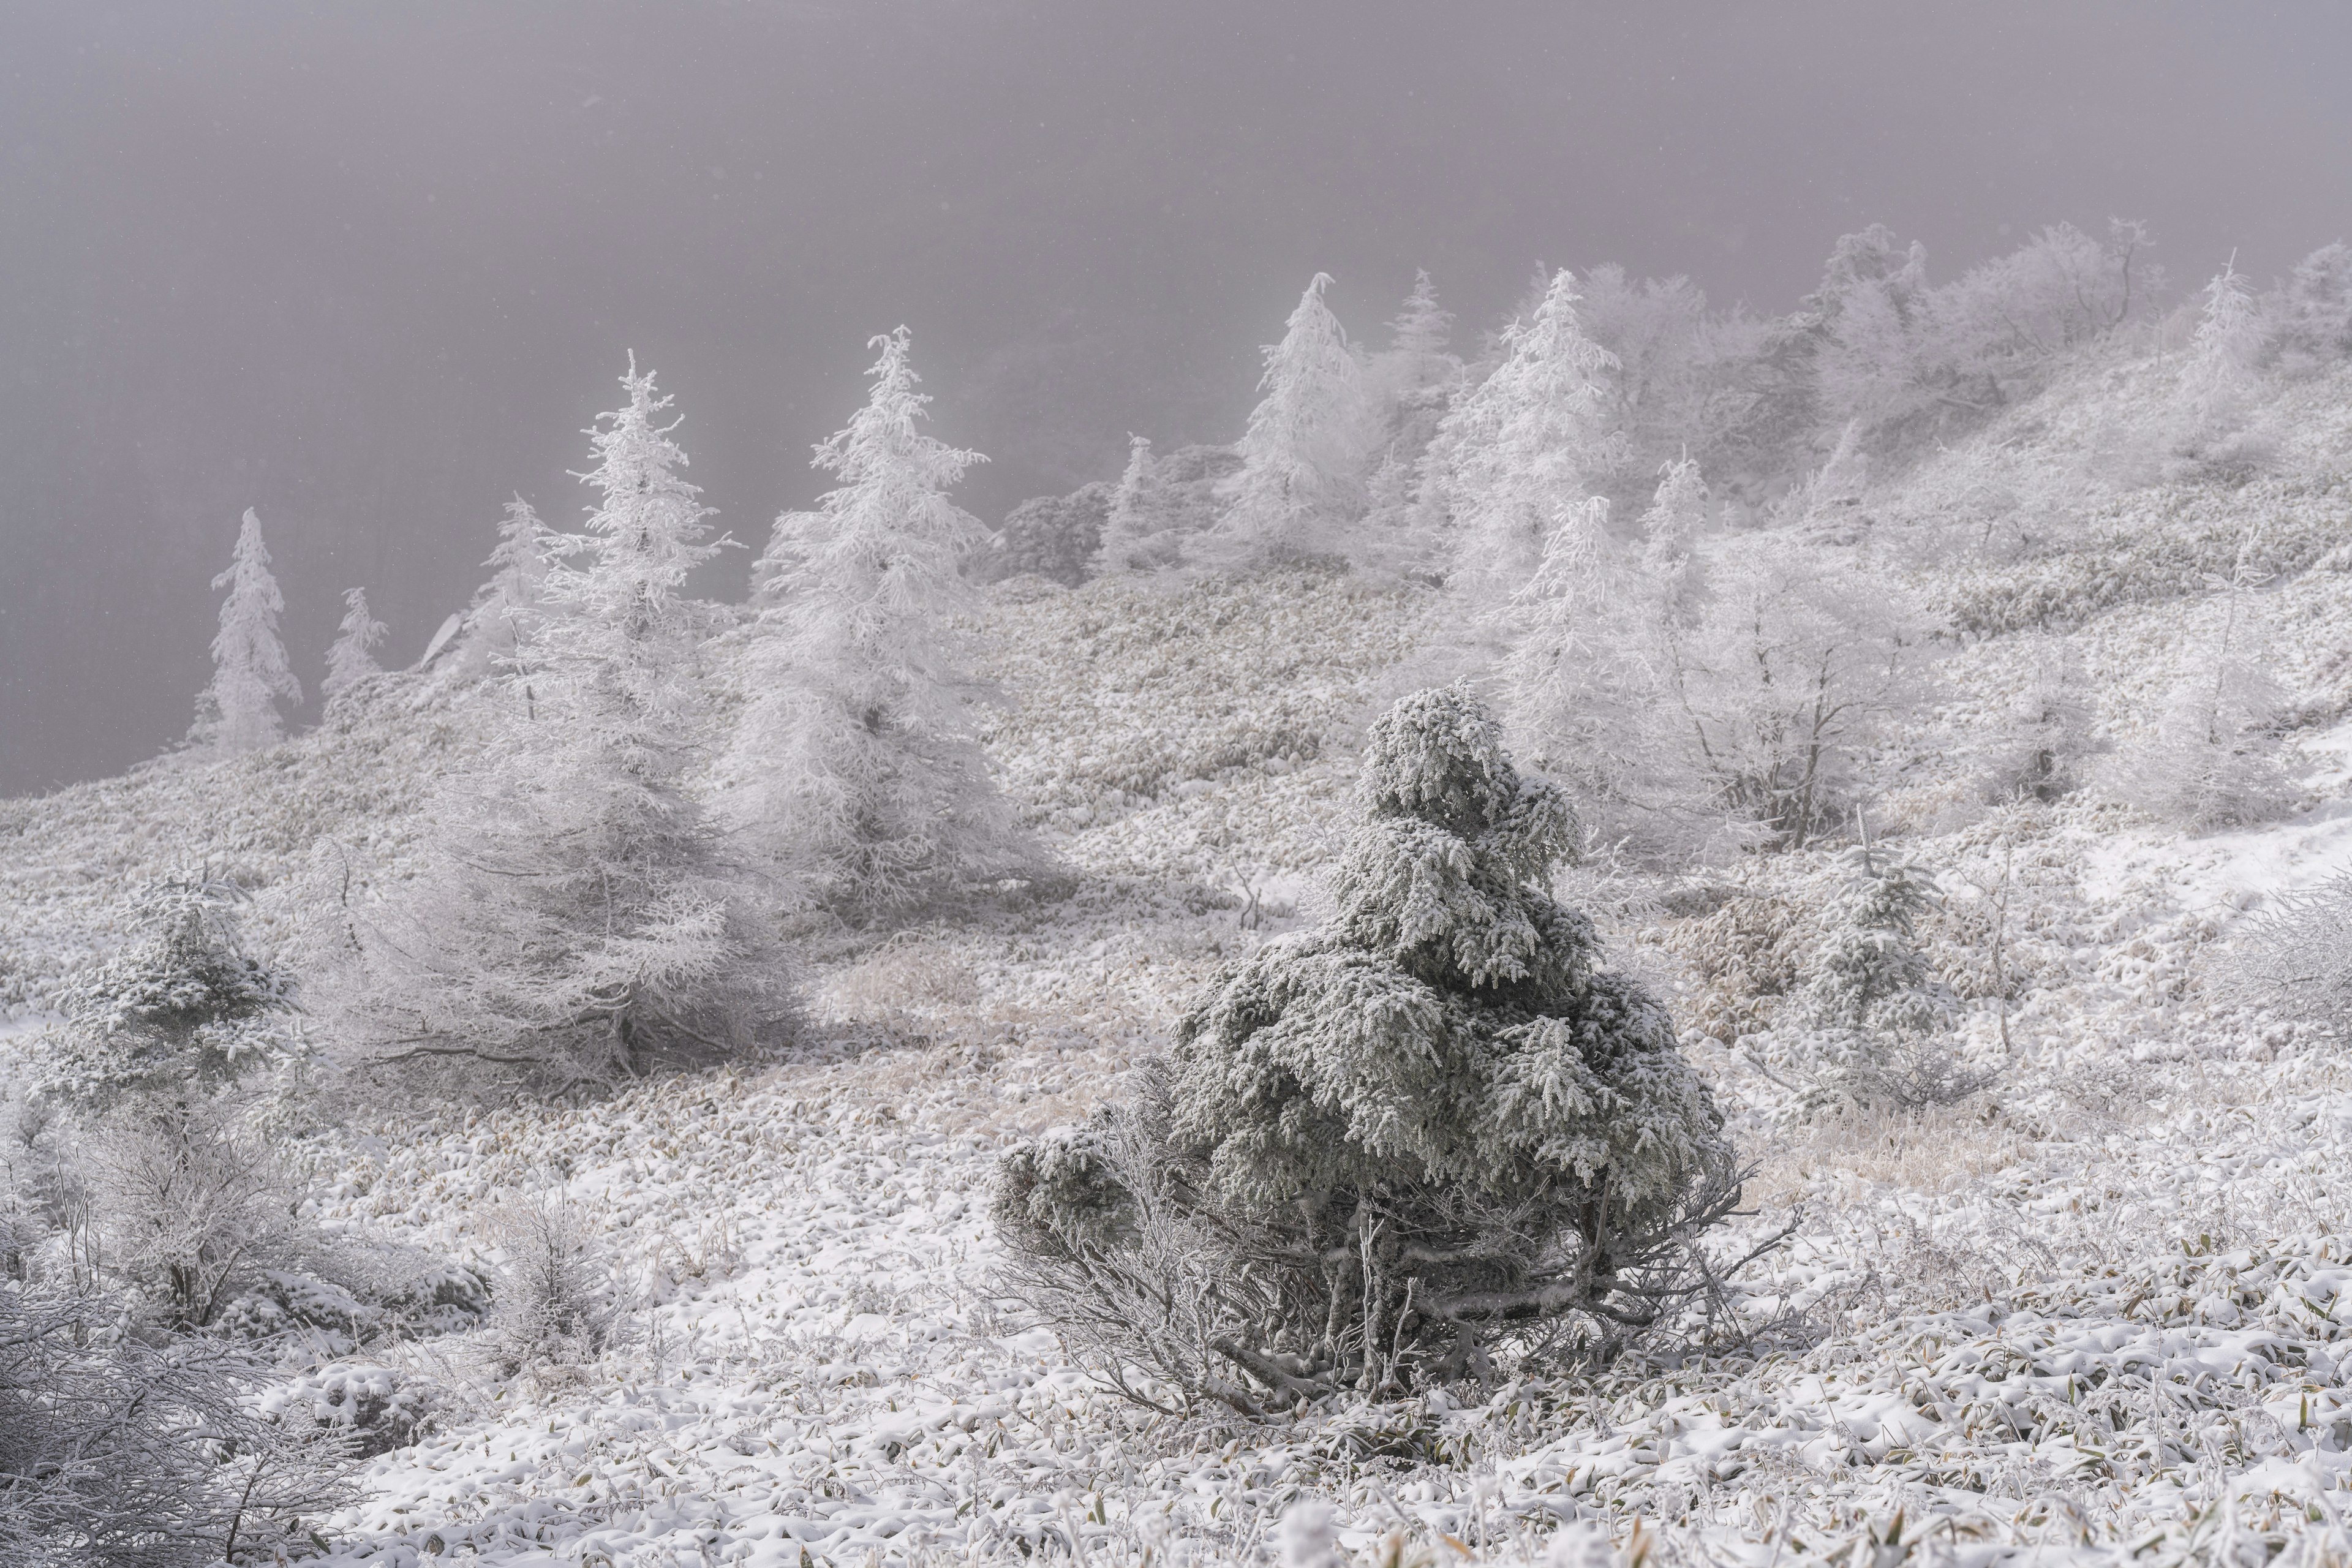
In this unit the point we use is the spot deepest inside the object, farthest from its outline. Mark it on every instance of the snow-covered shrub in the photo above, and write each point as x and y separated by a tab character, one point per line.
1871	1024
374	1409
1384	1151
183	1008
2297	956
573	916
193	1206
2311	319
117	1454
1054	537
2039	745
556	1303
854	765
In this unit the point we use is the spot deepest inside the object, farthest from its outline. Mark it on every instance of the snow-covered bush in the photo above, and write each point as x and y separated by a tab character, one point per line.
238	711
2296	956
854	765
2310	321
556	1303
1053	537
572	917
117	1454
1871	1024
182	1009
1382	1152
2039	746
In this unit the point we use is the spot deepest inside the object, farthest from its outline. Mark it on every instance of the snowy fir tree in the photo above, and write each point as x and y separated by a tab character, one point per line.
1675	577
1525	445
238	710
499	622
2217	375
1872	1023
351	658
575	919
1134	534
854	765
1380	1149
1301	484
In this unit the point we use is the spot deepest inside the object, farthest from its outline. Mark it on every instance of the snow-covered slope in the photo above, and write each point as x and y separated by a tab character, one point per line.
2094	1313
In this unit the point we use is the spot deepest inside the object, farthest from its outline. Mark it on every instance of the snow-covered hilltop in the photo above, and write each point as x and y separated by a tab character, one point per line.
1937	740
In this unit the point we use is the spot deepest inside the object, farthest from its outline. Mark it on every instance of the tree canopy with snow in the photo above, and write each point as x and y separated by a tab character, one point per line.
238	711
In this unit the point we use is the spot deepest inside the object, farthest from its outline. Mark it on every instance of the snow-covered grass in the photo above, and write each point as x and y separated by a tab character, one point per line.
2096	1314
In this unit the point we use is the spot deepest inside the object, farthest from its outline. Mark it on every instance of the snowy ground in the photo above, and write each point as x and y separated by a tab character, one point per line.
2098	1315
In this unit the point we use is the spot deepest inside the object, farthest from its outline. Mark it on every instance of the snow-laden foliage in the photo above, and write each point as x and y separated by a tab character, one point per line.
506	609
1301	480
557	1305
184	1008
853	764
1524	445
1053	537
574	917
351	658
238	711
1383	1151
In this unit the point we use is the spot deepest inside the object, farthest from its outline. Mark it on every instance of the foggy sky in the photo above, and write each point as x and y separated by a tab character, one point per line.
369	269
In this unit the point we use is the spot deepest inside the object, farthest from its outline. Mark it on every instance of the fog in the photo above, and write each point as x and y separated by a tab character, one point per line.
371	269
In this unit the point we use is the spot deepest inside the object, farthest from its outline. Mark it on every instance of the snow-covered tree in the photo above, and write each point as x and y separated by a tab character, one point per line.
574	917
238	710
2219	368
351	657
499	622
2038	742
1520	449
1133	538
1675	577
854	762
1301	482
1872	1022
1382	1149
2312	318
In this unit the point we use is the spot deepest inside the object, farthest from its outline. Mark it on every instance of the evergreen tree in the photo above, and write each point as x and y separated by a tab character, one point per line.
854	761
1302	457
1670	530
2221	353
574	919
351	657
238	710
1381	1148
499	621
1523	448
1130	541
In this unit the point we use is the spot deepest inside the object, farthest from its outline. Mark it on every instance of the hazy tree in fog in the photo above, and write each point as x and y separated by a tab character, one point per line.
1135	516
1519	450
2221	354
238	710
351	657
854	764
499	622
574	918
1670	529
1302	455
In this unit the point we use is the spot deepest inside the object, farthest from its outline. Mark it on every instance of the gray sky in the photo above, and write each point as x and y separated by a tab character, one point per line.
369	269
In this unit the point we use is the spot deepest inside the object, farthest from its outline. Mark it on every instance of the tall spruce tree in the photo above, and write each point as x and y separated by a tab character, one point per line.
1303	454
351	657
854	765
237	711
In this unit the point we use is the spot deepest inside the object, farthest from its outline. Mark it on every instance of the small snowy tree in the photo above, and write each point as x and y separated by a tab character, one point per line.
1521	448
1302	455
1873	1022
2039	744
351	657
1133	535
183	1008
499	622
238	710
1675	577
854	762
1381	1150
2220	356
573	918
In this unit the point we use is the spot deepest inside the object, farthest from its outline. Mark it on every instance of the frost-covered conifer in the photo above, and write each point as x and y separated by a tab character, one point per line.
181	1008
1301	482
351	657
238	710
1379	1150
574	918
1133	531
1677	578
1524	445
498	622
2220	356
854	762
1871	1019
2038	746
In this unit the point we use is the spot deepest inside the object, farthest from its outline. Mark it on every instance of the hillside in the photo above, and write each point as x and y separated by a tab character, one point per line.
2091	1314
